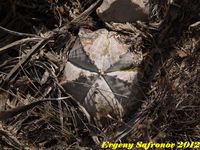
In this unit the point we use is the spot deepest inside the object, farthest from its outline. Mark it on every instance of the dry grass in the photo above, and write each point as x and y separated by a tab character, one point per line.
32	57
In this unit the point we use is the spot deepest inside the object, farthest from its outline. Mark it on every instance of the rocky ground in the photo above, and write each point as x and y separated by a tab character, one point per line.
36	110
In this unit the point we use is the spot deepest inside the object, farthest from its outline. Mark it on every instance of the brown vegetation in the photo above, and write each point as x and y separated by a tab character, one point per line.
37	112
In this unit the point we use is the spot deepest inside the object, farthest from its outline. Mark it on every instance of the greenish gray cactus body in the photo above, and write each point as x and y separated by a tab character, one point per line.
100	73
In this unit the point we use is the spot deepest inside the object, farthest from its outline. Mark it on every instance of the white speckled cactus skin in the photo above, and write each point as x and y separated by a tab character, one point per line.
100	73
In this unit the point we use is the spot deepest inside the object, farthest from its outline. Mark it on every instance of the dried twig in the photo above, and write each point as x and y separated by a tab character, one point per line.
4	115
19	42
18	33
34	50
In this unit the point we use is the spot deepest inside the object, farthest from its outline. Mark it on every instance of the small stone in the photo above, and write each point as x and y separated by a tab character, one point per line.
122	11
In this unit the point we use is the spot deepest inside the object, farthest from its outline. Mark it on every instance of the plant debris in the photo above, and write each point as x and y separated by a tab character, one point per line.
38	112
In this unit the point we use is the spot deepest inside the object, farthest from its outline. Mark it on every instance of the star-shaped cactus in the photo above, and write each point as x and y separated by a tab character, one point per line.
100	73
